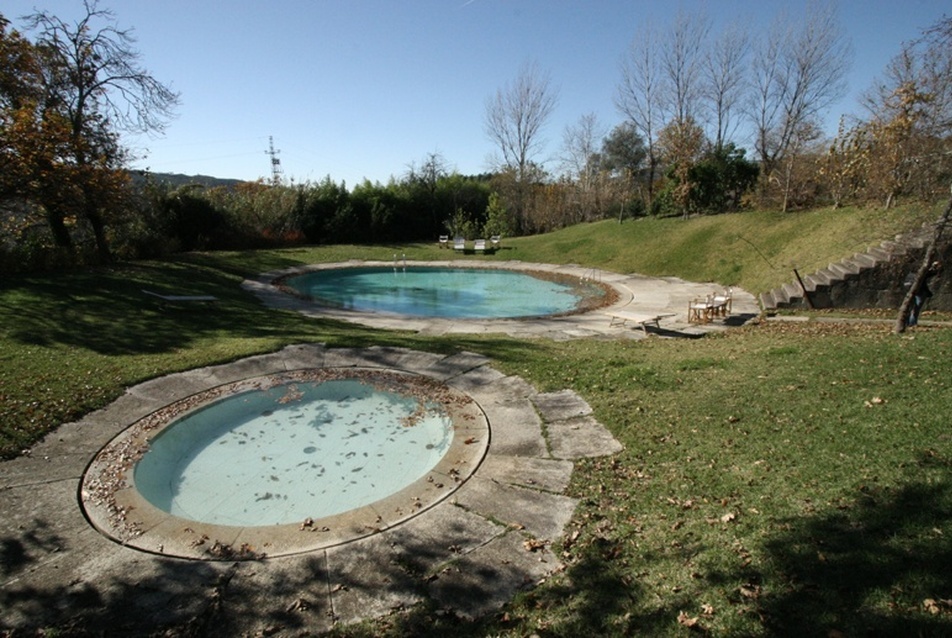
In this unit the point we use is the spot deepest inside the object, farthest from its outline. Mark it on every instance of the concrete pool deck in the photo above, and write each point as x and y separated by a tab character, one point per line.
648	296
468	553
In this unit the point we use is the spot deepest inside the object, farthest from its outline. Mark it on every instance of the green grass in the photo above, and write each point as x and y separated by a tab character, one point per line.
782	479
756	251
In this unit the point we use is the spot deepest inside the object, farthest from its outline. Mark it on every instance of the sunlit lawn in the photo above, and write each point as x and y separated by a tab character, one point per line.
783	479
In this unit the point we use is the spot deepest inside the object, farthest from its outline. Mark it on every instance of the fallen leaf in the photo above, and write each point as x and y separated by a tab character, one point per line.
687	621
750	591
533	545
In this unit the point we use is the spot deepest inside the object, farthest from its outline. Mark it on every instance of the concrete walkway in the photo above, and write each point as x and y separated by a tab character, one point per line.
636	294
468	553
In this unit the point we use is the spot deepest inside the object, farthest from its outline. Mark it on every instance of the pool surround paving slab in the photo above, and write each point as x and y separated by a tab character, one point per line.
468	552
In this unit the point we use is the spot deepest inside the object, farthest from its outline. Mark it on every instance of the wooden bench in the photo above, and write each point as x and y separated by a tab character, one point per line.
181	298
620	317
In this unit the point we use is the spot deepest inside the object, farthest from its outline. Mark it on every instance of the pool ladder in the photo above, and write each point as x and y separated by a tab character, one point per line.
593	275
396	262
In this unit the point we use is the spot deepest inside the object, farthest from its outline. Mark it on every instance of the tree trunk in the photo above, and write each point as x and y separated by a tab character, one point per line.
99	232
903	317
61	236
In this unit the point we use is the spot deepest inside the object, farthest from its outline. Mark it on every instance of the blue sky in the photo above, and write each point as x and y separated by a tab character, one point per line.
362	89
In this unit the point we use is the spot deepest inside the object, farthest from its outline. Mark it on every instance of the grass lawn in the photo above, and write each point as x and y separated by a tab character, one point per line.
781	479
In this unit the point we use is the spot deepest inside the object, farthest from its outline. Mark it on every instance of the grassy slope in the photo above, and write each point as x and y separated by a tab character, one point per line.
781	479
755	251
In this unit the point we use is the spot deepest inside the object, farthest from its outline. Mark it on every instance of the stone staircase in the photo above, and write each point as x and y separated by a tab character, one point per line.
820	283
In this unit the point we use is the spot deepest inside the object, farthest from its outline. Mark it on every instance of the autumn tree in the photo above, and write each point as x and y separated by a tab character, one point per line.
910	119
31	136
681	144
93	84
897	144
843	168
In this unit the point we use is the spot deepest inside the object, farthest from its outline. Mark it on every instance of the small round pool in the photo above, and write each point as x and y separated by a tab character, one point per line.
279	455
442	292
284	463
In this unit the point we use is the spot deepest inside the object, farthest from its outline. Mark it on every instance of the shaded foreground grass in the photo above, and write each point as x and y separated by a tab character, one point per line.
783	479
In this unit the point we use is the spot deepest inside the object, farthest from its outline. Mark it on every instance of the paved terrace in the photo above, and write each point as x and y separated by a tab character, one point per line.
468	552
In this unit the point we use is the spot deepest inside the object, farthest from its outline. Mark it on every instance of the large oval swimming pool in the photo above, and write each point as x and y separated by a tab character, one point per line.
460	293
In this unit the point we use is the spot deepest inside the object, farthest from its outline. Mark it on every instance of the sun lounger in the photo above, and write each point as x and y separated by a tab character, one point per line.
620	317
444	241
494	240
181	298
459	244
480	246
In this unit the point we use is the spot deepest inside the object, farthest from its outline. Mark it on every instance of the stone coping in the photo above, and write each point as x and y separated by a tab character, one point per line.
636	293
116	508
467	553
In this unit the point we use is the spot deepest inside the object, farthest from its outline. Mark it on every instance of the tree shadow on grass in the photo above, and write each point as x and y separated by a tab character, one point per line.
880	565
107	312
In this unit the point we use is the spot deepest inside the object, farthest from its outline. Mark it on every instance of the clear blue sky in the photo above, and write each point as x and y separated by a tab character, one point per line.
359	89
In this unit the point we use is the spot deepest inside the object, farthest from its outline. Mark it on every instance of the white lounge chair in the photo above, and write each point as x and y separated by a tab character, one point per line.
494	240
444	241
459	244
480	246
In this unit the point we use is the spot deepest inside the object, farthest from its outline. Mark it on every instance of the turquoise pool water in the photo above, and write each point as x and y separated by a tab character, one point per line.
462	293
291	452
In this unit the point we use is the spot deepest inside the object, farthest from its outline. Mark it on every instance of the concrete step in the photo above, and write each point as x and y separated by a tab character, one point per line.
894	247
879	253
780	297
864	260
793	291
842	269
767	301
818	279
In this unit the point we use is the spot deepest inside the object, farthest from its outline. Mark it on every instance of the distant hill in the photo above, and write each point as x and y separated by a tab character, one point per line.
176	180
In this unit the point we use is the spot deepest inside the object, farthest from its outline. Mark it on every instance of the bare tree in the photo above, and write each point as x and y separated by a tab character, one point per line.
515	118
639	96
798	72
724	85
682	63
580	143
516	115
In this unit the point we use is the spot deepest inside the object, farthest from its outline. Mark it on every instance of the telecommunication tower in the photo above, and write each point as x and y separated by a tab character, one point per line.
275	162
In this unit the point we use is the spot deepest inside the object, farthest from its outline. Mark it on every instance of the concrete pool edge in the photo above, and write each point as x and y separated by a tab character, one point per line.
114	506
668	296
